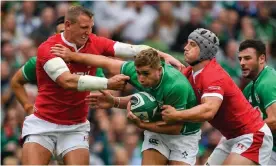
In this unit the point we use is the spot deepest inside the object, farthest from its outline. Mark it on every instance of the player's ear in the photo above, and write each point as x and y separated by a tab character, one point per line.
262	58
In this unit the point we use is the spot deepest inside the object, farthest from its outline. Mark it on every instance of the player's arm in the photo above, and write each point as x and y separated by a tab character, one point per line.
105	100
211	101
171	129
268	97
113	66
58	71
271	117
201	113
124	50
17	84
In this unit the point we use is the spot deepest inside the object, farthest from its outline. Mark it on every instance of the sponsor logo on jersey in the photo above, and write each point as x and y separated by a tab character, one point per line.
154	141
250	99
257	98
82	73
214	88
241	146
184	154
86	138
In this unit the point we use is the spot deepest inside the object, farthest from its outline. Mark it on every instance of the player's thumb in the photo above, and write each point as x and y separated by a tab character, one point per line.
164	107
124	77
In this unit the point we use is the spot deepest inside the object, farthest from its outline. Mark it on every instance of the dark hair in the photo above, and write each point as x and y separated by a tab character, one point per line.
148	57
60	20
258	45
74	11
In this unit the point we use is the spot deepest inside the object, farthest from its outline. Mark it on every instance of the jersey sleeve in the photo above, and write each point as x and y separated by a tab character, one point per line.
44	54
212	87
29	70
107	46
268	93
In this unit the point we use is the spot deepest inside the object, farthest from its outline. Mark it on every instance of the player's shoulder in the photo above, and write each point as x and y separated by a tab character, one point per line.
52	40
213	71
268	77
32	60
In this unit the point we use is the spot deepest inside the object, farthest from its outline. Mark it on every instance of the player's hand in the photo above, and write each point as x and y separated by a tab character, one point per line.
63	52
174	62
102	99
29	109
169	114
117	82
133	118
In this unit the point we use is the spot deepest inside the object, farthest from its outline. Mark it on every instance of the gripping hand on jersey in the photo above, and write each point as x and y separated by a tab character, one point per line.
63	52
170	115
117	82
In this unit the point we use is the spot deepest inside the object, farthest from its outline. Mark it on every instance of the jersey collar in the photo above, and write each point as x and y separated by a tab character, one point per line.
260	74
71	44
196	73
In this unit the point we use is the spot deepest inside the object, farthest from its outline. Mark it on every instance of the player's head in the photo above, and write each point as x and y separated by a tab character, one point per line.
78	24
202	45
148	67
60	24
252	57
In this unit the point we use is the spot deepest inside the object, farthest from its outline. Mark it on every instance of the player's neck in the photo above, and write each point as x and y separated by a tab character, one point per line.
200	65
260	69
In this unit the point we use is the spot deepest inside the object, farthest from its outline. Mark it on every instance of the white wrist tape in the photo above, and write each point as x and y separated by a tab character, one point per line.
90	83
55	67
124	50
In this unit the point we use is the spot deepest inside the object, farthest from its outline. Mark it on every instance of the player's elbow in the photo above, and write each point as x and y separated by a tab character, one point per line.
208	116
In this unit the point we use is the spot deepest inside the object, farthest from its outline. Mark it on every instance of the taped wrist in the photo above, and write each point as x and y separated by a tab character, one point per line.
90	83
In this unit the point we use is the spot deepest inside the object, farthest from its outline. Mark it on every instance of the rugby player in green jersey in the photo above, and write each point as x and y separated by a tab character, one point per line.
166	144
261	91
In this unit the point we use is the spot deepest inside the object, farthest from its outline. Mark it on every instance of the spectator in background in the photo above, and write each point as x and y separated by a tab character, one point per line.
26	50
140	24
26	21
61	9
9	31
247	30
8	53
265	26
232	24
10	134
230	63
185	30
181	11
46	28
219	29
166	24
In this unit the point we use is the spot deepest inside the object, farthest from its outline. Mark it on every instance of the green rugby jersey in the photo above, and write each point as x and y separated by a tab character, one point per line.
264	90
29	70
174	89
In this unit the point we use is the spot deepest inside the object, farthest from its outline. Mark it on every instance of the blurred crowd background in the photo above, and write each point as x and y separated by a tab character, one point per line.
162	25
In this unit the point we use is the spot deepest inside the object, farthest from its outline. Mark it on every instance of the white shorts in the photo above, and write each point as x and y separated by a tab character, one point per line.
255	146
272	160
59	138
183	148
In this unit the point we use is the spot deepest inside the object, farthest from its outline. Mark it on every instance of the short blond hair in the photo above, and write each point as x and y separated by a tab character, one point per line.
148	57
74	11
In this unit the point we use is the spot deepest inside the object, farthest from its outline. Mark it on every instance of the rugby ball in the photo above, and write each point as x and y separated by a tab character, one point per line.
144	106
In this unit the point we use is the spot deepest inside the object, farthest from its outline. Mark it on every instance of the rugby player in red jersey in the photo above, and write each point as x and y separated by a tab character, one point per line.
247	139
